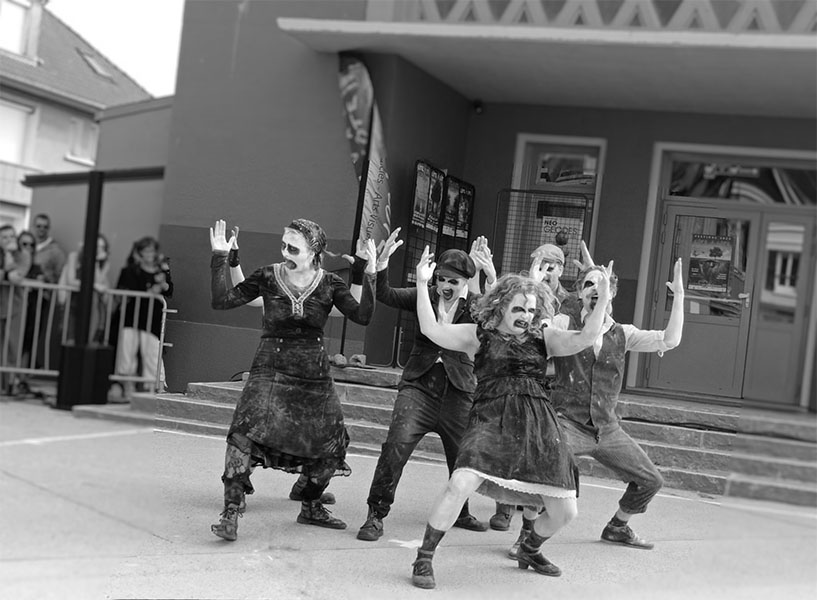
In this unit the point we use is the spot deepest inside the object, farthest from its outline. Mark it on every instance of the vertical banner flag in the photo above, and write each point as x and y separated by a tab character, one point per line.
367	147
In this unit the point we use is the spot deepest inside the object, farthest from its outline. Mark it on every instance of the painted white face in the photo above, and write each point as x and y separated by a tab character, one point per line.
553	272
518	315
297	254
589	292
449	285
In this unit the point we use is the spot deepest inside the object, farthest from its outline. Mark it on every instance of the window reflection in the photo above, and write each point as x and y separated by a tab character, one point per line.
744	181
784	246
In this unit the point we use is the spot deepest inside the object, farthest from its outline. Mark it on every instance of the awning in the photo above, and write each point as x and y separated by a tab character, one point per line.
759	74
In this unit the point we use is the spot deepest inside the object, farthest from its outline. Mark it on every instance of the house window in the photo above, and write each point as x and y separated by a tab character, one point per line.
82	145
14	125
14	25
96	64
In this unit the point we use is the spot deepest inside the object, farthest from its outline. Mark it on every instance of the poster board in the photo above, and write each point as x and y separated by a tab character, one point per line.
710	262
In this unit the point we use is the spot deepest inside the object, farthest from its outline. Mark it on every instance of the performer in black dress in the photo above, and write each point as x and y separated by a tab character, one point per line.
289	415
514	449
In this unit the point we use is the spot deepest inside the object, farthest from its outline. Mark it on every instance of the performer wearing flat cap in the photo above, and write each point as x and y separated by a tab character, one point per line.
436	390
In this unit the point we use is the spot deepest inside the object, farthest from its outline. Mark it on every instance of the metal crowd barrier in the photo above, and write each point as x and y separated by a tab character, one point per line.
37	319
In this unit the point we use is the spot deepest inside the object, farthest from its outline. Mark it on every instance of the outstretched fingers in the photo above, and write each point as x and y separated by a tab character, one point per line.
677	283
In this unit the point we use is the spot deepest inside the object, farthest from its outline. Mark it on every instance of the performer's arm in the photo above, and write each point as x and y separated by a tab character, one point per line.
222	296
565	343
359	310
639	340
461	337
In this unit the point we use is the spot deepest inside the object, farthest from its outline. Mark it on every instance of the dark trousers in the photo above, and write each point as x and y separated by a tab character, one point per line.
433	405
620	453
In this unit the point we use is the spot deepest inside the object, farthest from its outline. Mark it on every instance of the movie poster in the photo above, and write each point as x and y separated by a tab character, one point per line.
710	262
435	200
452	194
464	208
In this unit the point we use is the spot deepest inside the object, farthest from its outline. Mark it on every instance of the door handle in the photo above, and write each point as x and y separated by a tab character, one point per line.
747	299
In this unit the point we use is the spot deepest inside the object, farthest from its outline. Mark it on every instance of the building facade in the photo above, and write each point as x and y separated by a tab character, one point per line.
650	129
52	83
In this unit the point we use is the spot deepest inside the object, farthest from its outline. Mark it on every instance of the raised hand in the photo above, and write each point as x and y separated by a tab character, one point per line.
677	283
360	252
370	254
388	247
603	287
425	268
483	258
233	241
218	239
586	261
536	271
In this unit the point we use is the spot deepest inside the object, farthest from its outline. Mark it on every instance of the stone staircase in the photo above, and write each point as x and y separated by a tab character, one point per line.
713	450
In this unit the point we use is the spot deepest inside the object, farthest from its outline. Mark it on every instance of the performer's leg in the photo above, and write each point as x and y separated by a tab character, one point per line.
454	412
441	519
236	480
558	513
620	453
413	416
529	515
298	487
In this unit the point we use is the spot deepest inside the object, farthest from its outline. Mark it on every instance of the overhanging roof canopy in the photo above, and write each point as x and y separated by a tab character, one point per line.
722	73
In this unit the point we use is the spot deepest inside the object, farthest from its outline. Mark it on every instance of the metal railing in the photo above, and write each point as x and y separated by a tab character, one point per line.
37	319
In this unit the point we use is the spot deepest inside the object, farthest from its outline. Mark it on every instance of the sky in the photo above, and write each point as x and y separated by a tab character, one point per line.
141	37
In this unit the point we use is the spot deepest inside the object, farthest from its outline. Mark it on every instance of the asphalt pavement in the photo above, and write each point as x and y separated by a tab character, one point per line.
96	509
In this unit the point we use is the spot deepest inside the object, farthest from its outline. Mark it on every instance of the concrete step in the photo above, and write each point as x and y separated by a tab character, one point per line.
706	482
113	412
227	392
194	409
762	488
374	377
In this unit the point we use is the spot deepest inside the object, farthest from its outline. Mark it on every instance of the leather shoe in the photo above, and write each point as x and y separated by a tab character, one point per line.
537	561
372	529
422	574
625	536
501	521
471	523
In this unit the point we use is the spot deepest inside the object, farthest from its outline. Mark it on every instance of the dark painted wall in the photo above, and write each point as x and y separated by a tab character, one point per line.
631	136
256	138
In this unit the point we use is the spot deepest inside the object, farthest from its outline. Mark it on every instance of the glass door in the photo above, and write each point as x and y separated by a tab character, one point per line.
779	318
719	249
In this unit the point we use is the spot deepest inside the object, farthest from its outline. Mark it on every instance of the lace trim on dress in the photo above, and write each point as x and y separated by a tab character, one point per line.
536	489
297	301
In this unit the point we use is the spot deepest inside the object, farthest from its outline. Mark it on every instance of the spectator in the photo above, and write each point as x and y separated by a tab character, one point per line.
49	254
26	243
146	270
72	276
15	266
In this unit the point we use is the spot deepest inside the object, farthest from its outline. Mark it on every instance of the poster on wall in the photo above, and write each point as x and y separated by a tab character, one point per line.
464	210
422	187
710	262
435	199
452	196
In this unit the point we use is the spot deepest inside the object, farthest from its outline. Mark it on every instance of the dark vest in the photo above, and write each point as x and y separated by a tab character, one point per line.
587	388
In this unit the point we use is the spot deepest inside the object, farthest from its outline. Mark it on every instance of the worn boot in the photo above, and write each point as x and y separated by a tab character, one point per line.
530	556
227	527
422	574
372	529
314	513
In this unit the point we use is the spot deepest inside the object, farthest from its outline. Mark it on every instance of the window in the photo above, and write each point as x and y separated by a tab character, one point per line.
96	64
744	180
14	25
82	145
14	125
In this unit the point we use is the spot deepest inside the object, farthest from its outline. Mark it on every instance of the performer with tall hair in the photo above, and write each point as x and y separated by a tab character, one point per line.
513	449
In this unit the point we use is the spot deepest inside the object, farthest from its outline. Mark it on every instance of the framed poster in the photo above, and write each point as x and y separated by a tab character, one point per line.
449	214
465	209
710	262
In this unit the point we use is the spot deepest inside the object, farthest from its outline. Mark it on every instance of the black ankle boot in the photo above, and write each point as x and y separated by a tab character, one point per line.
314	513
227	527
537	561
422	575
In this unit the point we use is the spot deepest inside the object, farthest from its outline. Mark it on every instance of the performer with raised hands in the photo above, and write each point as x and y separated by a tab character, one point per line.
586	393
513	449
288	416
